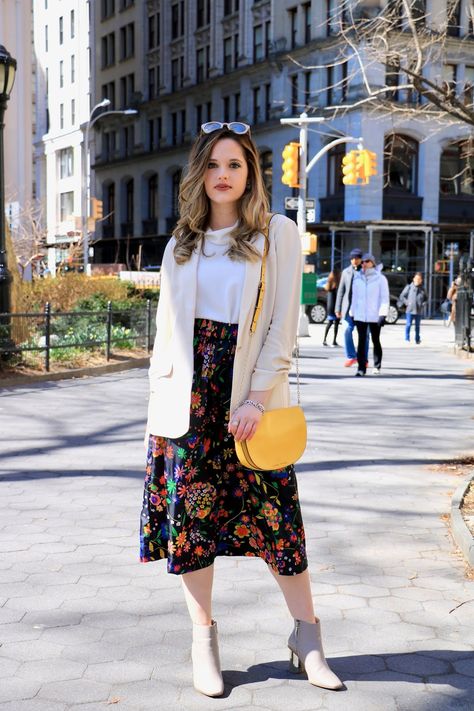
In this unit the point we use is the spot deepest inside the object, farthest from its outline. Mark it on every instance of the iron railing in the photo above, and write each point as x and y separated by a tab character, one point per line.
48	331
464	322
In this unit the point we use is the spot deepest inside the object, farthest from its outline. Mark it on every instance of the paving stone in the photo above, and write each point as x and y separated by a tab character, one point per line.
417	664
465	666
362	590
110	620
8	615
33	649
420	594
150	694
33	705
74	635
18	632
296	695
45	671
119	672
74	691
395	604
8	667
17	689
96	652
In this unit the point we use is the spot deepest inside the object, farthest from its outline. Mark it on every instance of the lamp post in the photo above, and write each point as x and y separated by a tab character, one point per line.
7	78
86	171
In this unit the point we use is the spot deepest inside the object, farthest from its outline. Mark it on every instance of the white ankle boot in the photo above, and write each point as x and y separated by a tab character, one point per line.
306	654
207	675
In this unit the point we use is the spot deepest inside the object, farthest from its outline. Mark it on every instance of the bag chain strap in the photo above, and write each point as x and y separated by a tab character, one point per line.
259	304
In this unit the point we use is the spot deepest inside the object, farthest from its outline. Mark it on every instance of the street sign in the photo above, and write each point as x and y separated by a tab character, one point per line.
452	248
291	203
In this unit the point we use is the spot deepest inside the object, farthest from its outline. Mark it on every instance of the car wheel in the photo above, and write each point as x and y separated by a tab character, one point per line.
392	316
317	313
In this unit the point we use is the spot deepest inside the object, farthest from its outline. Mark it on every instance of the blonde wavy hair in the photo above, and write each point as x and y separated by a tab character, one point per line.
194	205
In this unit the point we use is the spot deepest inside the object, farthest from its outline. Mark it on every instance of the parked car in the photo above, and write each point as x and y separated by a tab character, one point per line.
396	281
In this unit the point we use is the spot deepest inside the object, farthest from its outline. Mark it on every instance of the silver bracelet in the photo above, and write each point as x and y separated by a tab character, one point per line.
258	405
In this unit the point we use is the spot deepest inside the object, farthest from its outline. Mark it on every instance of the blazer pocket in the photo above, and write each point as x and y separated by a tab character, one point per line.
163	367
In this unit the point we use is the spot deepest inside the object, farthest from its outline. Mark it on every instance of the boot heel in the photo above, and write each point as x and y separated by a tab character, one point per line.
295	665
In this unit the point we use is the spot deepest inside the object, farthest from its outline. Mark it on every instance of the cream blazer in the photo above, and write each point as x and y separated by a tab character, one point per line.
262	359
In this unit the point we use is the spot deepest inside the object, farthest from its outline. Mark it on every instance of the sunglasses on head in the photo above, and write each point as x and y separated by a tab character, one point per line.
235	126
366	261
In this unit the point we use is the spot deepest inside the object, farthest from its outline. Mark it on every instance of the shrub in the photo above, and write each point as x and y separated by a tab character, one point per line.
66	291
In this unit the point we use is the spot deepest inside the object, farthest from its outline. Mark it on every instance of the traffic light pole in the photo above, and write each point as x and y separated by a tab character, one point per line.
304	167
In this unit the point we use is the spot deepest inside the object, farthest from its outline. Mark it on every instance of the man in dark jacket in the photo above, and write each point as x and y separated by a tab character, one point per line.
414	298
343	304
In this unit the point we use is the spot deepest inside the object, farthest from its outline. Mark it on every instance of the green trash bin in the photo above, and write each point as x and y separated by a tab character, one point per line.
309	288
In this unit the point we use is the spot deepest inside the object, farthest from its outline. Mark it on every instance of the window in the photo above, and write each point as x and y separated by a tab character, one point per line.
449	77
128	139
153	82
457	170
154	31
345	83
293	14
203	13
418	10
334	184
127	89
73	111
237	105
268	104
125	4
108	50
109	200
228	55
66	205
307	22
401	164
61	74
329	85
127	41
66	162
46	44
202	64
108	9
333	18
468	93
175	182
307	88
178	126
231	6
258	47
129	201
61	115
177	73
152	206
108	92
392	77
61	30
453	16
266	166
177	19
257	106
294	91
73	68
72	24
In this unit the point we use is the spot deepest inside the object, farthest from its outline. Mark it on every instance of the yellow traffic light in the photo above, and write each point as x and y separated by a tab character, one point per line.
370	159
309	243
97	209
290	165
349	168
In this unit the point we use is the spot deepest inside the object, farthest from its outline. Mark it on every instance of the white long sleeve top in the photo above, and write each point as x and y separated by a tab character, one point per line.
370	296
220	280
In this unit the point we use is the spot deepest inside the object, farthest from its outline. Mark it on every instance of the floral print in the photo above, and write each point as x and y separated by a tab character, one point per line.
199	502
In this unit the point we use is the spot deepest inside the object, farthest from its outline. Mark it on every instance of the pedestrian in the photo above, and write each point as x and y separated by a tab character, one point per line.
343	302
369	307
414	298
210	382
331	287
452	296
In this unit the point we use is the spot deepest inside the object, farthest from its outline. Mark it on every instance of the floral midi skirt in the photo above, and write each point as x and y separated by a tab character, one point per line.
199	502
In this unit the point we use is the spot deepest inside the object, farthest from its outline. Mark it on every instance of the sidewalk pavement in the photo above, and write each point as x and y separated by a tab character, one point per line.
85	627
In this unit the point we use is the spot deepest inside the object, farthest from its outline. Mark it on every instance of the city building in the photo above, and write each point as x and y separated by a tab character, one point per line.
62	51
16	37
182	63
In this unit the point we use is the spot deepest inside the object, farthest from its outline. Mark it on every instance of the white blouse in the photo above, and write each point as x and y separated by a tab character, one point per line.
220	280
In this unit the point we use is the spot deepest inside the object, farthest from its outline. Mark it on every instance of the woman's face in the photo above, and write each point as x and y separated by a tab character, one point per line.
225	177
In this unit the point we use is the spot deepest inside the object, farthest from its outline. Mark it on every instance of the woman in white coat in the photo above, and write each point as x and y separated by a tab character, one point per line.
369	307
210	382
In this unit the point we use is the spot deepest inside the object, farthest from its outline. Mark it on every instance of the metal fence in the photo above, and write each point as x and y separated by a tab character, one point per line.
50	332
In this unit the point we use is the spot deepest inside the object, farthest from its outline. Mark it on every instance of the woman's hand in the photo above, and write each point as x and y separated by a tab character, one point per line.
244	422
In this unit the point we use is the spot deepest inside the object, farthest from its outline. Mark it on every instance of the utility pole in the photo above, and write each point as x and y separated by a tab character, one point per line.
304	168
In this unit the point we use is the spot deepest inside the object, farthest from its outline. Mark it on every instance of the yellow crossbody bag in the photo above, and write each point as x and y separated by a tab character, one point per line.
280	439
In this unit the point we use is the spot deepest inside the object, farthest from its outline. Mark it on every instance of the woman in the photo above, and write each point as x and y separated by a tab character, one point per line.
331	286
210	381
369	307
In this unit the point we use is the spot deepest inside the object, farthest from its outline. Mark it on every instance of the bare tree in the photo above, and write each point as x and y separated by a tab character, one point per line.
29	235
397	58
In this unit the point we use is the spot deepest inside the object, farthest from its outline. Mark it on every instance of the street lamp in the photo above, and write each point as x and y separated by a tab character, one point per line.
7	79
86	170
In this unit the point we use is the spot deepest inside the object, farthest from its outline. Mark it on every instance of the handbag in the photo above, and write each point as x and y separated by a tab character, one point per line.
280	439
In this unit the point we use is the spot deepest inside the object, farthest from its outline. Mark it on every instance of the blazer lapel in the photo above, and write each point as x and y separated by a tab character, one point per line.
249	292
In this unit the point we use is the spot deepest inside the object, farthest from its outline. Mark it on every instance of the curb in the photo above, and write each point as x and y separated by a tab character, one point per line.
461	533
19	381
